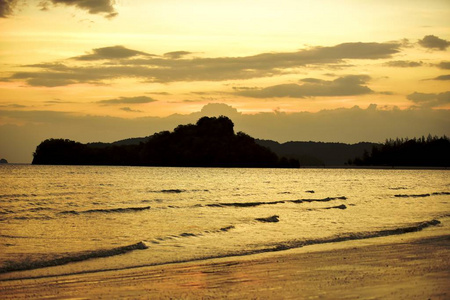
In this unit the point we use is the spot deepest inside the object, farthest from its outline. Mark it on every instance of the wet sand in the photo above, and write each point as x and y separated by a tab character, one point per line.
411	266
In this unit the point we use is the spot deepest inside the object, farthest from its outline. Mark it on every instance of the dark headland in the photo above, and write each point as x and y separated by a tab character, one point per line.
211	142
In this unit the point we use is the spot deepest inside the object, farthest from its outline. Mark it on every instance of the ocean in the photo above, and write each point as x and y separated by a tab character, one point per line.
58	220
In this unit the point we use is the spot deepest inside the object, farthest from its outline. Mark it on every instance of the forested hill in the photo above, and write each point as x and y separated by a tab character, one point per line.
211	142
318	153
307	153
416	152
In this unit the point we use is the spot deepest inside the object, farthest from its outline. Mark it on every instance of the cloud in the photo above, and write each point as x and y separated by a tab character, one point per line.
176	54
445	65
403	64
442	77
430	99
113	52
433	42
7	7
343	86
217	109
120	62
104	7
127	100
127	109
12	106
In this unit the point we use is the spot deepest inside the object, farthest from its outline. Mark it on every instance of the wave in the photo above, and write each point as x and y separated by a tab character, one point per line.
16	195
319	200
74	257
272	219
243	204
110	210
342	206
252	204
412	196
355	236
172	191
415	227
27	217
177	191
440	193
421	195
190	234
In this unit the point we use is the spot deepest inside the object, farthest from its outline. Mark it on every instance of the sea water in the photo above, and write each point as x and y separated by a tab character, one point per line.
73	219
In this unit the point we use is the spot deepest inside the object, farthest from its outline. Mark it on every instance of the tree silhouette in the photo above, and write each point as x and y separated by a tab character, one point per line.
420	152
211	142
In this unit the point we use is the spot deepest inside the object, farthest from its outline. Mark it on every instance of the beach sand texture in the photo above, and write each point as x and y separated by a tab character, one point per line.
410	266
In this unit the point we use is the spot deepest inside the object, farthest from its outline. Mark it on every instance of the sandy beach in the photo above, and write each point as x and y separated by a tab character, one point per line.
410	266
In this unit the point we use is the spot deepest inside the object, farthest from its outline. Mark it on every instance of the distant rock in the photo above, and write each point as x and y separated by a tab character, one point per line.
3	161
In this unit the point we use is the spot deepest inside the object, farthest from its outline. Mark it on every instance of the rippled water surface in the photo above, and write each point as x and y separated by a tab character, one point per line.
68	219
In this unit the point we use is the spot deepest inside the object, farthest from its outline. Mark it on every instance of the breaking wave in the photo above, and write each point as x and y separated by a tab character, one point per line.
355	236
74	257
77	257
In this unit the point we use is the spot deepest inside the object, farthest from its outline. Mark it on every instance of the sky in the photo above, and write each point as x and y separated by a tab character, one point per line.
333	71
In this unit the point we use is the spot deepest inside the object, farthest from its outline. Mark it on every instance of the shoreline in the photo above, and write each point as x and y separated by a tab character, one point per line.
409	266
344	167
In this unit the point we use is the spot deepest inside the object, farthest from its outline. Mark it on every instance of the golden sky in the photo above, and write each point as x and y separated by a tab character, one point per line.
137	59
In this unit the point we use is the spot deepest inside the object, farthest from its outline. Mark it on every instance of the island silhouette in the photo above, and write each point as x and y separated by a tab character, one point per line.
211	142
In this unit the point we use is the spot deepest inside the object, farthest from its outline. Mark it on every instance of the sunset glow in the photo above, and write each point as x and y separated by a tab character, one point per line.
130	60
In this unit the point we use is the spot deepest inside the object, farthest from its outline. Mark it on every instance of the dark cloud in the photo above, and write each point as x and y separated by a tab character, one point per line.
312	87
127	109
127	100
444	65
433	42
122	62
114	52
104	7
176	54
404	64
430	99
442	77
7	7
